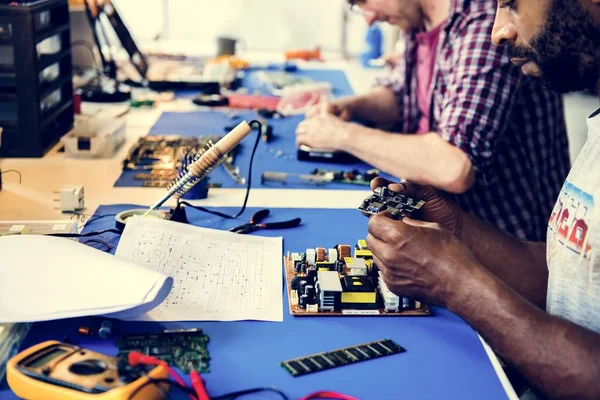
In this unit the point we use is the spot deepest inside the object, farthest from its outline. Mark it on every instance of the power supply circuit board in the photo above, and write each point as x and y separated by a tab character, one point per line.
384	200
342	281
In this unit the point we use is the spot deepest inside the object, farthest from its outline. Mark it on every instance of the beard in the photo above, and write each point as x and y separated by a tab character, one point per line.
567	49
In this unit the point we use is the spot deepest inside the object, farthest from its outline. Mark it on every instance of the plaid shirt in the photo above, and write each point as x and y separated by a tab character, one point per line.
511	128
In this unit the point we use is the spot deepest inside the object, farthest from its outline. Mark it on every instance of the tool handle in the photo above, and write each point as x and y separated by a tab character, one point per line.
271	176
259	216
282	225
211	158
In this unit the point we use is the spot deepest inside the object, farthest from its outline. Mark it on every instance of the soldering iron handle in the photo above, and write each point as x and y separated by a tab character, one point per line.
213	156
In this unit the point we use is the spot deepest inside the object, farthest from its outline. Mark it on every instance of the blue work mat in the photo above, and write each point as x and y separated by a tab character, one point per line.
339	83
278	155
444	357
337	78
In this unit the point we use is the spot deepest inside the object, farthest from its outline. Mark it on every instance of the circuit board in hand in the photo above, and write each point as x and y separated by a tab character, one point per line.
185	349
396	204
338	358
342	281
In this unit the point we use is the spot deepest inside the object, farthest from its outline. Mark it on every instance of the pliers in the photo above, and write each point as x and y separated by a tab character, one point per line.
256	223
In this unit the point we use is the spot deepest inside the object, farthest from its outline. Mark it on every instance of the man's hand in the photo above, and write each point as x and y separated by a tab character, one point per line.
342	108
420	260
436	209
325	132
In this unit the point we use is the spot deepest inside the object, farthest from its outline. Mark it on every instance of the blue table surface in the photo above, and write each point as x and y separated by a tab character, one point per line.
266	159
444	358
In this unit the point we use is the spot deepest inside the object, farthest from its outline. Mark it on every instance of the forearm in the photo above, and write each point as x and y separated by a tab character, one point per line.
424	159
379	107
519	264
559	358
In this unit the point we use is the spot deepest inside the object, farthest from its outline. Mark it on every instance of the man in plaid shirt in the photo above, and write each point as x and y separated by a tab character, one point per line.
471	124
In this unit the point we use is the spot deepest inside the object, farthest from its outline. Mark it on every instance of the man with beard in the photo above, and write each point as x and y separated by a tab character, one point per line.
536	304
457	115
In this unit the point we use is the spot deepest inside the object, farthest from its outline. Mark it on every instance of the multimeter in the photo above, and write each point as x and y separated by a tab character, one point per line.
54	370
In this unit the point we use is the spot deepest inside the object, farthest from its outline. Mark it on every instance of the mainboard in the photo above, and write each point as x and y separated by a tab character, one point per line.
158	159
340	357
342	281
384	200
185	349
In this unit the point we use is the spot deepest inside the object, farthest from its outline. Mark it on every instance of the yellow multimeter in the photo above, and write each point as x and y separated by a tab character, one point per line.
55	370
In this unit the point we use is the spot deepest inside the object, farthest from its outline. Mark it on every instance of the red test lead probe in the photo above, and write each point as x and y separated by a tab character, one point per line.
198	385
137	358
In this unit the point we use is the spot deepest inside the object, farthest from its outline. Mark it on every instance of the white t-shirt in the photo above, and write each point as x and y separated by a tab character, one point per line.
574	239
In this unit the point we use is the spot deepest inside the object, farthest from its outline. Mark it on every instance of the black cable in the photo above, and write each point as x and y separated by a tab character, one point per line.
248	186
153	381
98	241
12	170
89	234
235	395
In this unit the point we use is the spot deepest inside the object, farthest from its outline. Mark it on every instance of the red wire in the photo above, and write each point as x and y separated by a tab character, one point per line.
198	385
325	394
136	358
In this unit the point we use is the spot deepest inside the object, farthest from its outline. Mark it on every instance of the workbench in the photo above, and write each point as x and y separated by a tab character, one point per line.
445	358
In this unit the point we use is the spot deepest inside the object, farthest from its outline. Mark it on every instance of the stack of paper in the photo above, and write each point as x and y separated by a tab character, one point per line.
164	271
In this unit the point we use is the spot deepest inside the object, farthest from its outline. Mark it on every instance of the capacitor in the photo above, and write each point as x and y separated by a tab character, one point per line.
303	301
332	255
339	266
303	268
298	266
302	287
344	250
312	275
310	291
105	330
405	303
311	256
296	282
321	254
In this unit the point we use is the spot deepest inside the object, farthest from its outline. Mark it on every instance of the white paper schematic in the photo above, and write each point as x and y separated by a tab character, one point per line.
217	275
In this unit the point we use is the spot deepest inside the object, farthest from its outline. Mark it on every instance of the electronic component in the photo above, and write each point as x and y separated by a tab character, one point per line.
338	358
160	158
54	370
322	177
358	293
85	331
391	302
185	349
105	330
306	153
37	227
329	288
356	266
397	205
71	198
332	281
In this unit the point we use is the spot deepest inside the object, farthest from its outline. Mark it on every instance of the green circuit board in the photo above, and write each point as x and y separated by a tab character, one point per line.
185	349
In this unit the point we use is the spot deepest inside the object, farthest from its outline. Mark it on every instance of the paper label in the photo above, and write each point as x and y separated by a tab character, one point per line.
360	312
16	228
